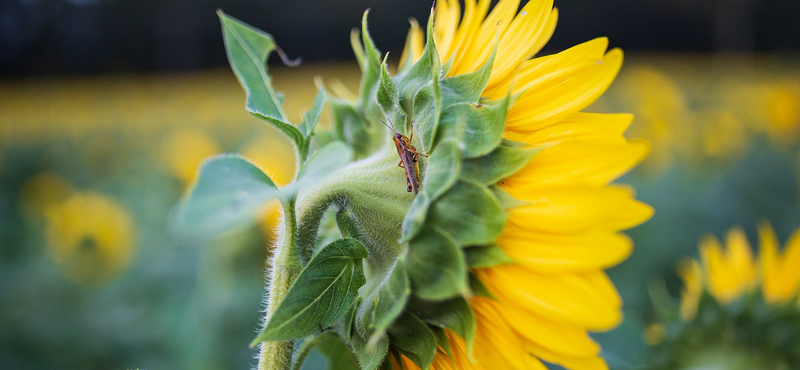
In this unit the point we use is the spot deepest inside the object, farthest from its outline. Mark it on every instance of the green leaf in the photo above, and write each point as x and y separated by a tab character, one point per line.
502	162
469	213
229	191
311	118
442	343
384	303
453	314
484	125
505	199
478	288
325	289
369	355
349	127
388	95
420	93
486	256
443	169
338	354
308	345
467	87
370	76
358	48
415	217
427	109
413	339
248	49
436	266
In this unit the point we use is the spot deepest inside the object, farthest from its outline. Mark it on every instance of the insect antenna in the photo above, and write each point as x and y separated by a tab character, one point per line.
390	127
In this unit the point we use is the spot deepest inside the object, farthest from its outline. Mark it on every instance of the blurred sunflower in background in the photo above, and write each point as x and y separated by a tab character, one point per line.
783	111
41	192
567	231
662	114
263	152
90	236
736	311
184	150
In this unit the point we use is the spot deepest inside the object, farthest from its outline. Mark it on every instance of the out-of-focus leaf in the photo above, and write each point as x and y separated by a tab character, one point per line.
486	256
413	339
436	266
453	314
229	191
338	355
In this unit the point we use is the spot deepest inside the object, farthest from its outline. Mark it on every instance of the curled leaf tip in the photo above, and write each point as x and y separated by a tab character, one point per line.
285	58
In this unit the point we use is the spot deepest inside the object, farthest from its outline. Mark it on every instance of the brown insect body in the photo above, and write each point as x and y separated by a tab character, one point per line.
409	158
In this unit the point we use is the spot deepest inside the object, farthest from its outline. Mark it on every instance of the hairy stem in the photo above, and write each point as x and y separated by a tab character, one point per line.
284	268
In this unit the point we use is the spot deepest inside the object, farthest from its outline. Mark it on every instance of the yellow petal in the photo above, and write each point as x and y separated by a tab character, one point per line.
577	209
524	33
552	253
692	276
558	337
740	259
415	44
471	56
550	70
558	97
473	15
769	261
572	363
445	25
496	344
587	299
580	126
581	162
790	267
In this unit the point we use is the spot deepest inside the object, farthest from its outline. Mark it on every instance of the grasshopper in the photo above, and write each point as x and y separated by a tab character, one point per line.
408	156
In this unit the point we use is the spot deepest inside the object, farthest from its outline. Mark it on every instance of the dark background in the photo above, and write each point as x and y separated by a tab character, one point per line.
91	36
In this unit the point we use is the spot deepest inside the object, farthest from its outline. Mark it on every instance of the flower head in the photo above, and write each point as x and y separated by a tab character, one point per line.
553	289
90	236
732	305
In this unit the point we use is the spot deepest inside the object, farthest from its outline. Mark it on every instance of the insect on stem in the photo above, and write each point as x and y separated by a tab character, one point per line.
409	157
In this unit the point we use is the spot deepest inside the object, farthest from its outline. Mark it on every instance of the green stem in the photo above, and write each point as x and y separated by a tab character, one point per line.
284	268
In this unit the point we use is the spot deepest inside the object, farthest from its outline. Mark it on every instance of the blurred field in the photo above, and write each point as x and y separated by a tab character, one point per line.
90	167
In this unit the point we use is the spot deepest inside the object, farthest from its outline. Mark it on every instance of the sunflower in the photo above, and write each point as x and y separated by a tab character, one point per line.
568	231
184	150
90	236
41	192
736	311
662	114
263	152
730	272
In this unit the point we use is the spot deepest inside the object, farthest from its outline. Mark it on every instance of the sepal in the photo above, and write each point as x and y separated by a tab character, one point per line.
413	339
436	266
502	162
453	314
484	121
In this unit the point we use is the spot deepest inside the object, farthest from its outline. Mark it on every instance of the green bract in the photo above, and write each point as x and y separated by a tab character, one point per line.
394	272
